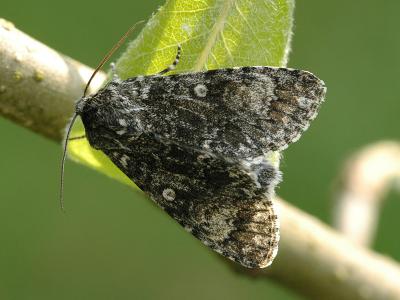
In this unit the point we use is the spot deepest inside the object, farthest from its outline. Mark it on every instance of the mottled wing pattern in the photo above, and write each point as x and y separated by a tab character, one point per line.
223	203
196	143
238	112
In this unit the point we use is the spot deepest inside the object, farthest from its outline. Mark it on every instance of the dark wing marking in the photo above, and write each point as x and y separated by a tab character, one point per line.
223	203
239	112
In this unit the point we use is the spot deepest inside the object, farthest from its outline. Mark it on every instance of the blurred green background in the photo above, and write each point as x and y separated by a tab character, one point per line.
113	245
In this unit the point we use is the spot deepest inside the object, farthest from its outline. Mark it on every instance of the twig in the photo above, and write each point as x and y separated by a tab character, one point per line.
313	259
367	177
38	86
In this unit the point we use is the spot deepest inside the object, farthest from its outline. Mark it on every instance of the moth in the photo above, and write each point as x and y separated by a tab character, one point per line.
197	144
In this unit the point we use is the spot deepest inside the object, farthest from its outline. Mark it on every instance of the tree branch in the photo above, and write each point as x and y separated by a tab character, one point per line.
322	264
38	87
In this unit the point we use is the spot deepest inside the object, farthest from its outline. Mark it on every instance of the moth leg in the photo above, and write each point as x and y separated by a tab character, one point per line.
77	137
173	65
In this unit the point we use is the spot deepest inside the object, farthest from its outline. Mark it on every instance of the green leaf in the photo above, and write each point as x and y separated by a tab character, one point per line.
213	34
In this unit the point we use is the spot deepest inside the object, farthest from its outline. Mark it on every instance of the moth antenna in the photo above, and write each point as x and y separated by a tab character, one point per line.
174	64
69	128
75	115
110	53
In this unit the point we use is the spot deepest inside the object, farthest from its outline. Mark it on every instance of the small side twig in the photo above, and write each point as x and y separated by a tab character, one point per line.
367	177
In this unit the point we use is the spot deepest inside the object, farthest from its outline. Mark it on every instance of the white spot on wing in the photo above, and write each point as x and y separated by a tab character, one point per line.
200	90
169	194
304	102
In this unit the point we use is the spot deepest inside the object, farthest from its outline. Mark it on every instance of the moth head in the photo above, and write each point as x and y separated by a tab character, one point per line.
103	118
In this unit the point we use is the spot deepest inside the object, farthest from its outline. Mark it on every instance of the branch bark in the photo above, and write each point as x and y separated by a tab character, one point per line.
38	87
319	262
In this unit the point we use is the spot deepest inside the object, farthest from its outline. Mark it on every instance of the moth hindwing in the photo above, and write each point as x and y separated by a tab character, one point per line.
197	144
